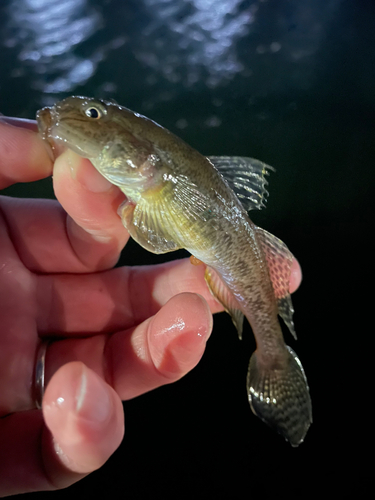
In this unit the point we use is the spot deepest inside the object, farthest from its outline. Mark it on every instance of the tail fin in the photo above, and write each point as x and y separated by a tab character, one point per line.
280	397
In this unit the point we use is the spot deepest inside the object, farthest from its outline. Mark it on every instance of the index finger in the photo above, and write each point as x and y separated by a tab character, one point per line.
24	156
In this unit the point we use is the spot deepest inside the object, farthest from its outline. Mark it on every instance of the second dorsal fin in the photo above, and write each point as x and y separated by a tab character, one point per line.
279	260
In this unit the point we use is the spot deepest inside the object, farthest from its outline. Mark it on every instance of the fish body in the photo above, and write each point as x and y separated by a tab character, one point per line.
178	198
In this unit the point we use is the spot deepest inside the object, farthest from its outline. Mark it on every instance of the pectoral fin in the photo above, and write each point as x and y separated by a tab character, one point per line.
145	225
221	293
279	261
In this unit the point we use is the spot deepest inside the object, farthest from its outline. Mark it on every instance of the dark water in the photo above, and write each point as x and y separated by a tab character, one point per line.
289	82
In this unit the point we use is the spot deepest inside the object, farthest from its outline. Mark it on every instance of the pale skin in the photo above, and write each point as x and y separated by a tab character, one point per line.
144	327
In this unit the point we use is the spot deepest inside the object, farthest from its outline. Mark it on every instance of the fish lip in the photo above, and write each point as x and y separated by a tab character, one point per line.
45	118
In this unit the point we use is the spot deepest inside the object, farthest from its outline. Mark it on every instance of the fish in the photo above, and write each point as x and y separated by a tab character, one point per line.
178	198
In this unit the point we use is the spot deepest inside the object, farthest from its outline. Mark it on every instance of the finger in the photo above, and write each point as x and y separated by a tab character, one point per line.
86	419
80	438
48	241
295	276
114	300
162	349
84	309
93	225
120	298
20	122
158	351
21	462
24	156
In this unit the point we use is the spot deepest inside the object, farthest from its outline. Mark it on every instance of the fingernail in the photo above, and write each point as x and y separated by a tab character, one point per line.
18	122
93	401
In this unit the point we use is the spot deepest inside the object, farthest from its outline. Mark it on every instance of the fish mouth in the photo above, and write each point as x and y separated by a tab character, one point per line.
47	121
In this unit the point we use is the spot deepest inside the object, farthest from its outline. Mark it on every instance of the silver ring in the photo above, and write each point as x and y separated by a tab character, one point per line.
40	362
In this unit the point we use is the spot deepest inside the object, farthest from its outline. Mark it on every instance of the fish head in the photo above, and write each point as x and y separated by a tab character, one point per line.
76	122
109	135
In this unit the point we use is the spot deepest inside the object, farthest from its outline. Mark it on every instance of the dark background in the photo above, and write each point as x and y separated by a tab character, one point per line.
290	83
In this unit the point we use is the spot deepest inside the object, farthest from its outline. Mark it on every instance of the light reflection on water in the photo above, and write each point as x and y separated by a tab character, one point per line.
157	49
181	41
196	39
46	34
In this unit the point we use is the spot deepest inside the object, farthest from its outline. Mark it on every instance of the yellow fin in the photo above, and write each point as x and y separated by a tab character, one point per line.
148	226
165	216
221	293
279	260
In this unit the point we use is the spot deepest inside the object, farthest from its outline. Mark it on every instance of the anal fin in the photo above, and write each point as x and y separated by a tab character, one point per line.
221	293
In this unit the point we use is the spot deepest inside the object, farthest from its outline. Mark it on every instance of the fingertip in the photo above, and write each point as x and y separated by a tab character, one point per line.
85	417
295	276
24	155
178	334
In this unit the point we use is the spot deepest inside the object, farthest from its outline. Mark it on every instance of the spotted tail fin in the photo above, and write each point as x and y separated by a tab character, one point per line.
280	396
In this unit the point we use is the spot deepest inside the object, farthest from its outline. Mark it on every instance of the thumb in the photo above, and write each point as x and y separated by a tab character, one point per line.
84	426
85	417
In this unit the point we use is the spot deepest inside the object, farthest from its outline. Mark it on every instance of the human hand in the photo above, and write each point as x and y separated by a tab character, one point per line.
115	333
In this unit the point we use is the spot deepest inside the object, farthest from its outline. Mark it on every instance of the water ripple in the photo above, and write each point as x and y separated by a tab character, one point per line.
46	34
194	40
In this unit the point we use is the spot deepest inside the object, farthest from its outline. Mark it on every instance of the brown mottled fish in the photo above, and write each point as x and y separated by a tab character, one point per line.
178	198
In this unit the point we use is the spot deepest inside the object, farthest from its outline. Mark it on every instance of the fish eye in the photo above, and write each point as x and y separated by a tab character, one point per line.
93	112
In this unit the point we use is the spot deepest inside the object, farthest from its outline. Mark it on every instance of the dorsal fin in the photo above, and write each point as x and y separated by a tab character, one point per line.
246	176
